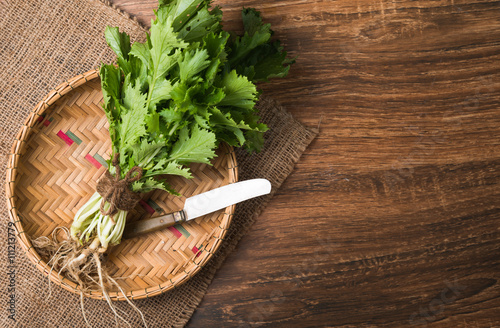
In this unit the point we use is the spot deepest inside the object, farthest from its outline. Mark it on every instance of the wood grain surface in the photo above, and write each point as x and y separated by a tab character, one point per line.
392	216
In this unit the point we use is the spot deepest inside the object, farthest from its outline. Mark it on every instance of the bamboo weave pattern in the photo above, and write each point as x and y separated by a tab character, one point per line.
57	158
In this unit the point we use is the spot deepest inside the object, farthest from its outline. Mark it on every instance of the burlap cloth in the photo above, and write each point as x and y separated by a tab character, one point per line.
45	42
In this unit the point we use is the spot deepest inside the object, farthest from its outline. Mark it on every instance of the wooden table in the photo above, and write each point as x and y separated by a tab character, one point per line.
392	216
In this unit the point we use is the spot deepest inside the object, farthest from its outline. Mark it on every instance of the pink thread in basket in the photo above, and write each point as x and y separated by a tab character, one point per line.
64	137
93	161
176	232
196	251
147	207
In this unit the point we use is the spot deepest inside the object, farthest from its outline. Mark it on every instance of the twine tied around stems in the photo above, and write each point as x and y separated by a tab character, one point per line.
116	191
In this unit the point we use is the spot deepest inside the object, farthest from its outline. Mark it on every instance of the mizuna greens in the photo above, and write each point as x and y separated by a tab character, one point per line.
170	101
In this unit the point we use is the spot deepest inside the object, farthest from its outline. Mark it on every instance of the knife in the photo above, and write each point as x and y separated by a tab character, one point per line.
201	204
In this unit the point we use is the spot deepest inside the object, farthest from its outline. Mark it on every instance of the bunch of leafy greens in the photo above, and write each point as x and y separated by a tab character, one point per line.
172	99
169	101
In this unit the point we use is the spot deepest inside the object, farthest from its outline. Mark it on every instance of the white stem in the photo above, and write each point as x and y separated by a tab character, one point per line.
85	253
90	223
86	211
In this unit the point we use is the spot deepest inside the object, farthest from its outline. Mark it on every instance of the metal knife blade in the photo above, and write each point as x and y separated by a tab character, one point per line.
202	204
225	196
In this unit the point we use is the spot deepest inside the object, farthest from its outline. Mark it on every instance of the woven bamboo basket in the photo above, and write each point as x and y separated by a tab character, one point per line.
55	162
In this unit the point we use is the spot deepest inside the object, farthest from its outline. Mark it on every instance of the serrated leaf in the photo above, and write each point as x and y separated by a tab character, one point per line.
252	22
202	121
163	41
145	152
171	115
265	62
160	92
214	96
153	123
192	63
254	141
201	24
228	129
141	51
239	91
133	118
149	184
139	73
256	34
110	86
195	147
185	97
180	11
171	168
120	44
215	43
160	100
133	98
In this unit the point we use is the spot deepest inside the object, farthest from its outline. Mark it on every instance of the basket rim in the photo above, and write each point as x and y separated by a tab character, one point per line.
15	217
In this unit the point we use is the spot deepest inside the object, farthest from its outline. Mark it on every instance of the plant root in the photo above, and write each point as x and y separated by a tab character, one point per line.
81	264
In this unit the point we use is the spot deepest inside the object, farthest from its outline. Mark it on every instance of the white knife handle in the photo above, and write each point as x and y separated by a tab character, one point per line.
144	226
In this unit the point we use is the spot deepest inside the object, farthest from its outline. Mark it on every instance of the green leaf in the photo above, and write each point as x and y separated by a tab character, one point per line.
201	24
145	152
179	10
159	88
191	18
228	129
120	44
141	51
202	121
133	99
153	123
255	140
256	34
110	86
149	184
139	72
265	62
195	148
215	43
171	115
163	41
132	126
192	63
173	98
163	56
185	97
239	91
171	168
160	92
253	55
214	96
219	118
252	22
